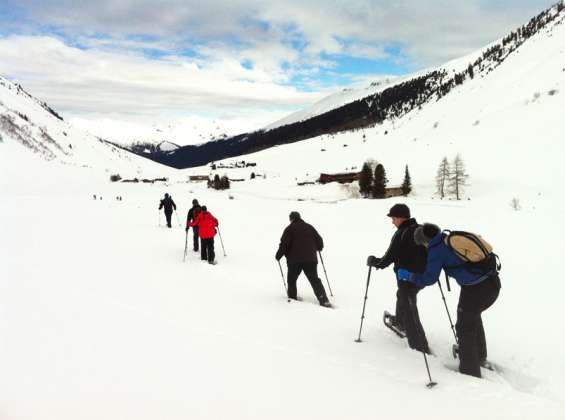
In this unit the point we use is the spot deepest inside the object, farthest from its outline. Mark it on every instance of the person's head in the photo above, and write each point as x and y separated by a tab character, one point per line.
294	216
398	214
195	202
425	233
204	208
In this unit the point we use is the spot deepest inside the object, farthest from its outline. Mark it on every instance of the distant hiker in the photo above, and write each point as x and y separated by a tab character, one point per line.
94	196
300	243
191	217
479	290
168	205
405	254
206	224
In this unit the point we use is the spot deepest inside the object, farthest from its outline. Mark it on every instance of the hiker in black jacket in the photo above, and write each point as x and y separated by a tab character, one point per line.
300	243
191	217
168	205
404	252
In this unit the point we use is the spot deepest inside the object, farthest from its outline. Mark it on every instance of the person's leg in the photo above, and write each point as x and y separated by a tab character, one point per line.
195	238
211	253
168	216
401	307
294	271
311	272
415	334
467	325
203	249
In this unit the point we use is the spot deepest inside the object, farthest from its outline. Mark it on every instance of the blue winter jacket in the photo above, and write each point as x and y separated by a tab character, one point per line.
440	256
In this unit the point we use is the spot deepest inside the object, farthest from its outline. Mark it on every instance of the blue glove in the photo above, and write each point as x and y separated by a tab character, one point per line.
404	275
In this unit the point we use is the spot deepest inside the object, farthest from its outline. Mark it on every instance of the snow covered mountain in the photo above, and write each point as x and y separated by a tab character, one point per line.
33	132
396	102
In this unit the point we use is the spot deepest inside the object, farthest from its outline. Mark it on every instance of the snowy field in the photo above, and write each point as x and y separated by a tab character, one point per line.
100	318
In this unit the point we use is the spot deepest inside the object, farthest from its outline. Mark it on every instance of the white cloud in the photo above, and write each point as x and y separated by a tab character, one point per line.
98	81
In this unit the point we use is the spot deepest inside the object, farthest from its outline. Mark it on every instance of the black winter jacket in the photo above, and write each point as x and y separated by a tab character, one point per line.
192	213
168	204
300	243
403	251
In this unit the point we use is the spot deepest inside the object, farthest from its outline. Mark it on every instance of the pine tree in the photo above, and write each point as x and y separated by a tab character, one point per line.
379	182
442	177
458	178
224	183
217	182
471	71
407	183
365	180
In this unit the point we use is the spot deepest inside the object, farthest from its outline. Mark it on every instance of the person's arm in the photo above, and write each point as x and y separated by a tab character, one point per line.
174	205
161	205
318	239
195	221
392	251
284	245
434	266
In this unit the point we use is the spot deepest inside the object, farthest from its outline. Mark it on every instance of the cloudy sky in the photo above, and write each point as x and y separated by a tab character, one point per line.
253	60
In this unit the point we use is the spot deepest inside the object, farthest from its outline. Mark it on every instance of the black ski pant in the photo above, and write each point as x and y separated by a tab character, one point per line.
195	237
311	271
207	249
168	217
473	300
407	316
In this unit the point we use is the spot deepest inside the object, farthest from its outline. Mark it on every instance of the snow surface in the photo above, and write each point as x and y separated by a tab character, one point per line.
100	318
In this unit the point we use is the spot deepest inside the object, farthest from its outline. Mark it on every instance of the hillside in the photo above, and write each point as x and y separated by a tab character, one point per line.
33	135
393	103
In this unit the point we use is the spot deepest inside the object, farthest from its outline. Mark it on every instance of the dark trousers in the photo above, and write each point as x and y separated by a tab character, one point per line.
408	318
195	238
207	249
473	300
311	271
168	217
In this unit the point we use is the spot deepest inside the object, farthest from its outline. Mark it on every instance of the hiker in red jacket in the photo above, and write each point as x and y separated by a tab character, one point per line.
206	230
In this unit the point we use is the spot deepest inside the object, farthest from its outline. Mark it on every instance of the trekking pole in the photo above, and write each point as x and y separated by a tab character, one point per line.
159	211
222	242
447	310
185	246
284	282
325	272
364	303
177	216
430	384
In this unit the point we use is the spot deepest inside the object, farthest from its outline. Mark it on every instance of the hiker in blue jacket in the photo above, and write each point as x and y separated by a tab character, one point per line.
479	290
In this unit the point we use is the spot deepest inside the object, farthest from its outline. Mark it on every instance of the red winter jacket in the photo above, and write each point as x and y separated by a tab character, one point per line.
206	224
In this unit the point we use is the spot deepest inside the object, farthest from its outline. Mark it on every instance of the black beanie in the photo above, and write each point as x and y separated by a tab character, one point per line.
424	234
194	202
399	210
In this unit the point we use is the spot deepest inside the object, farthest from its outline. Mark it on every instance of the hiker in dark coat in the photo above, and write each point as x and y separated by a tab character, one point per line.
300	243
404	253
479	290
191	217
168	205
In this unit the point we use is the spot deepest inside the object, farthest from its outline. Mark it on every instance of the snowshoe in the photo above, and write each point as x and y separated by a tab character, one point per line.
390	322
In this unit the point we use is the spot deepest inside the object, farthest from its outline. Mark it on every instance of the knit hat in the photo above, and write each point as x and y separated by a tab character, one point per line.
194	202
424	234
294	216
204	208
399	210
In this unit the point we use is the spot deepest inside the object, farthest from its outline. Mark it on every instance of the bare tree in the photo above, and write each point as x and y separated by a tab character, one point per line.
515	204
443	174
458	178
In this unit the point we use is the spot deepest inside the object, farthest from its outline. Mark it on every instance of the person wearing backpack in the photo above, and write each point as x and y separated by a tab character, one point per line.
405	254
207	225
191	217
479	281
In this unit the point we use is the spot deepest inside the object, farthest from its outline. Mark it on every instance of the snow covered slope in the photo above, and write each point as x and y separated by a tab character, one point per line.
31	131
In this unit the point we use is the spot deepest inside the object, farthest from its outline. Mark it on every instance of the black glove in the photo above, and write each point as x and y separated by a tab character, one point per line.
373	261
278	256
186	230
